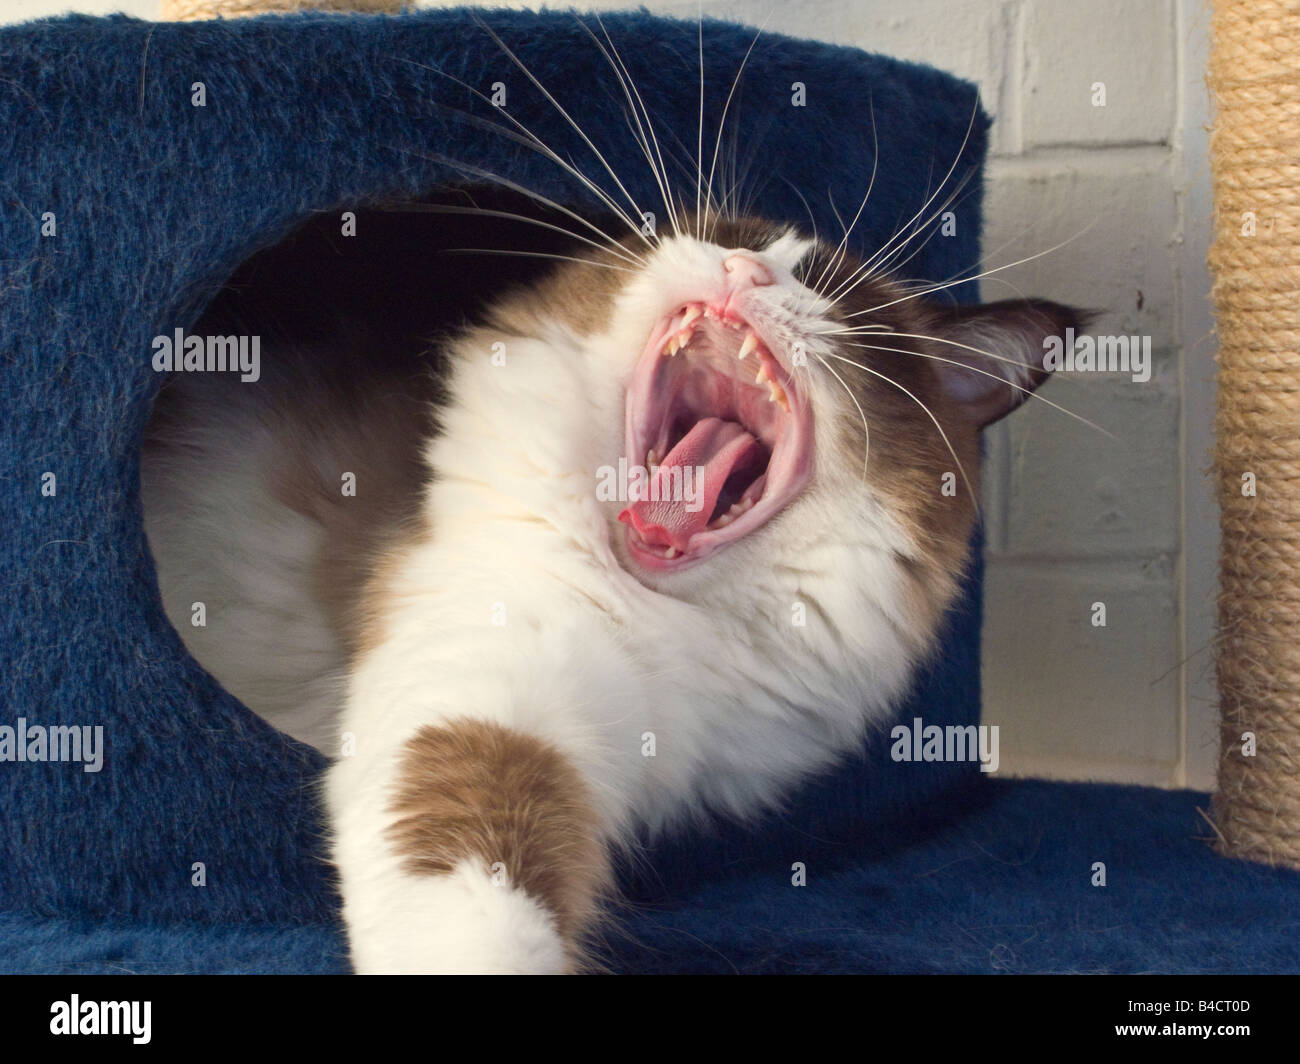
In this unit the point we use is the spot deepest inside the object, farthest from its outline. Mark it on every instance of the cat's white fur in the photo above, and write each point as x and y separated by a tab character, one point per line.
708	664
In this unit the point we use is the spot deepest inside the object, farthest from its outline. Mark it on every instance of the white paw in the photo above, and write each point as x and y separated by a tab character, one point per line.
457	924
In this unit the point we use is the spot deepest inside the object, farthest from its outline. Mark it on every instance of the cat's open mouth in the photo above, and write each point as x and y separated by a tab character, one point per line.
724	430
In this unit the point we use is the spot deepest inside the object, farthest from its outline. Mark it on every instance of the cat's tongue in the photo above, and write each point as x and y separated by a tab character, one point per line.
669	516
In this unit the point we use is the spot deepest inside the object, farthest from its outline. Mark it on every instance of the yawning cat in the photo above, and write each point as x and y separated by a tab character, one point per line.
664	529
503	635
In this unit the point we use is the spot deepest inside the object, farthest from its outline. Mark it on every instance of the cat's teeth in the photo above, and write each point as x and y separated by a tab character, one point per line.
776	395
693	312
749	346
677	341
709	312
762	374
722	520
671	553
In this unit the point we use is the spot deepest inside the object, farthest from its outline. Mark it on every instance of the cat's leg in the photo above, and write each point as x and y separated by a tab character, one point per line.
471	847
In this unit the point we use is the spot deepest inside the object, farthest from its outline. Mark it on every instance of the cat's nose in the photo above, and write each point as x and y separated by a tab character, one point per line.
745	271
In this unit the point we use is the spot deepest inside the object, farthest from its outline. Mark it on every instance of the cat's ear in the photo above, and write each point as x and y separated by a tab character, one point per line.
997	351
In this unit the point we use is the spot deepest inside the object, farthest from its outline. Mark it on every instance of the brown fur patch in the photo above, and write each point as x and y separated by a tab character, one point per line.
474	790
365	618
580	295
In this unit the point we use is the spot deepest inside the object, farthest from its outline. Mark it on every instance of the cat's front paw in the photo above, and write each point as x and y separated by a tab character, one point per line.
464	923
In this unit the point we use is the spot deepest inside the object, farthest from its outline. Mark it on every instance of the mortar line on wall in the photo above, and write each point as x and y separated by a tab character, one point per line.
1015	74
1178	144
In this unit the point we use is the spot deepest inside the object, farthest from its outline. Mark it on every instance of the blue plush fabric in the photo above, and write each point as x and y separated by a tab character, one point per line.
1006	887
156	202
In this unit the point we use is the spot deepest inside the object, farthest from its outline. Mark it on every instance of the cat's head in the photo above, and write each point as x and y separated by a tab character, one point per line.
798	409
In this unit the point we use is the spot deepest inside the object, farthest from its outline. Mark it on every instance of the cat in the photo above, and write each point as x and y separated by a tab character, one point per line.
579	525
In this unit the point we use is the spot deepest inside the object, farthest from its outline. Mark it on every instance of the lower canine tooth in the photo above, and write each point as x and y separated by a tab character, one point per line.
670	553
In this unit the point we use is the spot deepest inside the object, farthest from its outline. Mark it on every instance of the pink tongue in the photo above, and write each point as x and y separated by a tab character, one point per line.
679	506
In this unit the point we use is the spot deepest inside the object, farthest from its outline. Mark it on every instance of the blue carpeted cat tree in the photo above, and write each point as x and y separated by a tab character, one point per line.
140	165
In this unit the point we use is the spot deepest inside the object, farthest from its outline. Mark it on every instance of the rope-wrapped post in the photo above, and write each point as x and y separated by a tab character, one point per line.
197	10
1254	74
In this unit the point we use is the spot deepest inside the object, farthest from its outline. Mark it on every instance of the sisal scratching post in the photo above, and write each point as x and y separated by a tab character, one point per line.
1254	73
195	10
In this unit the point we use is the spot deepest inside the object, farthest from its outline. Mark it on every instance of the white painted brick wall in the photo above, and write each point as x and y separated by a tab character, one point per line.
1074	517
1127	46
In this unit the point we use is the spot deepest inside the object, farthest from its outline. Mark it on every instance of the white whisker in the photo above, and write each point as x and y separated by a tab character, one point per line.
537	197
699	135
889	263
886	251
1029	392
939	188
442	208
947	443
722	121
523	67
812	222
966	280
837	259
866	428
625	79
540	255
530	140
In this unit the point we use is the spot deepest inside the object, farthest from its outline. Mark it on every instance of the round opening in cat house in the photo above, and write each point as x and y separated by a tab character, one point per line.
284	455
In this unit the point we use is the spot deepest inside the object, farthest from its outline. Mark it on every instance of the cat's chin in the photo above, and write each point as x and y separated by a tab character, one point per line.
723	429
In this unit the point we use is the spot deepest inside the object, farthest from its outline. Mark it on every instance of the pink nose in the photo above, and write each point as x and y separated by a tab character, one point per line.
745	271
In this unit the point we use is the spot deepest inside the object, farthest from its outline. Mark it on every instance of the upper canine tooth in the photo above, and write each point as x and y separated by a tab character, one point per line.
750	345
692	313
